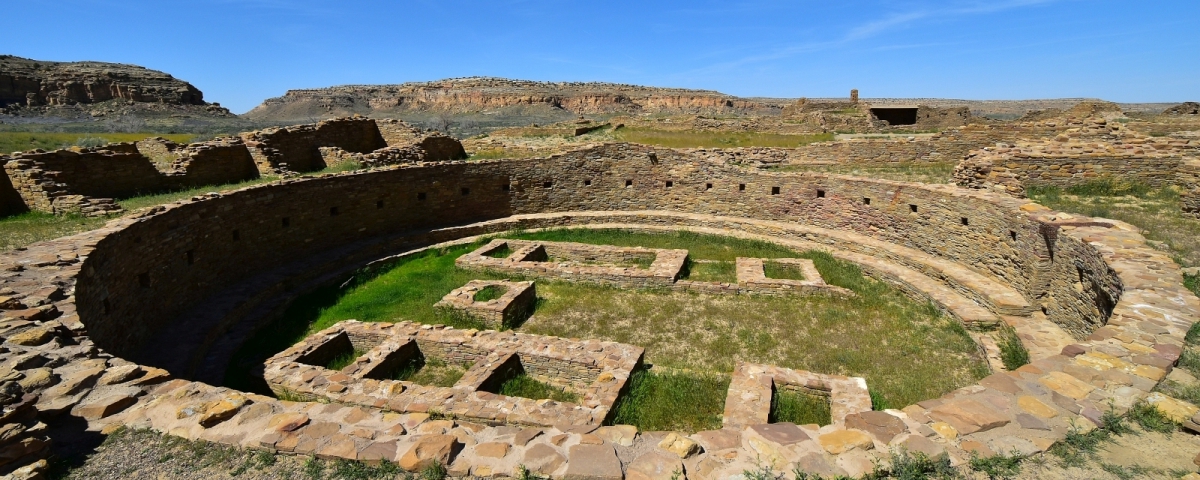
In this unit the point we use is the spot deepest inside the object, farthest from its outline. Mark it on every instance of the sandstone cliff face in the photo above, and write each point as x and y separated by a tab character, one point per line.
483	94
34	83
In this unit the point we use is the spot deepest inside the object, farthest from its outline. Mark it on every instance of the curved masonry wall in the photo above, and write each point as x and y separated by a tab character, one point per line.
134	277
151	270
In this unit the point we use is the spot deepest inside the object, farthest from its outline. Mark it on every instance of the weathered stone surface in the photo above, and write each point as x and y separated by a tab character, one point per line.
917	443
1036	407
618	434
543	459
713	440
655	466
679	445
781	433
32	336
593	462
968	416
882	425
429	449
97	407
841	441
815	463
492	449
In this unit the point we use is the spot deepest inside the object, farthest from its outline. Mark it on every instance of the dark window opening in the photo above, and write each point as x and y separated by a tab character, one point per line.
866	201
912	207
774	190
547	184
506	187
896	116
587	183
629	183
421	196
670	184
191	257
466	191
144	280
965	222
820	194
333	211
379	204
287	222
237	235
1012	234
741	187
708	186
106	306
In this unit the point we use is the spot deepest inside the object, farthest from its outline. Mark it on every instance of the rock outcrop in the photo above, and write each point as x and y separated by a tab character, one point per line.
460	95
35	83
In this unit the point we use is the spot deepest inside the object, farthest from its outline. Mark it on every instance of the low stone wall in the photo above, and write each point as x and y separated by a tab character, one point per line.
1189	181
596	371
85	180
294	148
580	262
1094	151
515	303
752	387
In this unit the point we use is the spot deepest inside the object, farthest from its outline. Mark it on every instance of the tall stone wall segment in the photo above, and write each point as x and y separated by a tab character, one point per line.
102	293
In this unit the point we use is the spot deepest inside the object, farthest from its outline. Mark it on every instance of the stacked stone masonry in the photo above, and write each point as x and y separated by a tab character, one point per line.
87	180
512	306
596	371
83	304
1094	151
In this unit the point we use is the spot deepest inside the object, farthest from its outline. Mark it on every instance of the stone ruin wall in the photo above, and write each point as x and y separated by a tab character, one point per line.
86	180
94	264
1189	181
189	253
1090	151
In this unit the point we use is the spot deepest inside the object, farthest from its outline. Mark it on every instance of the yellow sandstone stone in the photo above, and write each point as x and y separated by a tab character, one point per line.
1177	410
840	441
945	430
1036	407
1066	385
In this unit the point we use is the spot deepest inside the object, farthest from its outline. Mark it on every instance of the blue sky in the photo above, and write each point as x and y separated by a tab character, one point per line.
240	52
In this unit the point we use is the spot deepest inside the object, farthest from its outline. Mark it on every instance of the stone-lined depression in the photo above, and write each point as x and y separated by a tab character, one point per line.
907	350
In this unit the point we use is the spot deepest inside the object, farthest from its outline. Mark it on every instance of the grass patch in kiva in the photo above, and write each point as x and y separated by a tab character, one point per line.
488	293
688	402
525	386
344	360
782	271
798	408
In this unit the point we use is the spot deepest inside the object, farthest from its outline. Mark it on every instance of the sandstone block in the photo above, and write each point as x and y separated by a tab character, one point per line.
679	445
429	449
882	425
543	459
840	441
654	466
618	434
593	462
969	416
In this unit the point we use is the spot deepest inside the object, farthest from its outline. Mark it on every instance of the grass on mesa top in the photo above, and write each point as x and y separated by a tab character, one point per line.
24	141
908	351
702	139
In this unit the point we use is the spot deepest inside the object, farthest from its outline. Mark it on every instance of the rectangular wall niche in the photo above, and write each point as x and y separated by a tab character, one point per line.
379	365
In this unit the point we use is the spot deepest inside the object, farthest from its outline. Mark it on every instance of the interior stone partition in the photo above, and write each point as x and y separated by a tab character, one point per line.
595	371
515	303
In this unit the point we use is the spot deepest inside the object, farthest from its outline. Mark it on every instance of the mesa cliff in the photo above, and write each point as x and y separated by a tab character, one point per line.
465	95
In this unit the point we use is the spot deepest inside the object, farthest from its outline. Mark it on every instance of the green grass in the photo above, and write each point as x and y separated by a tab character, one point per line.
922	172
701	139
30	227
715	271
1012	351
490	292
525	386
344	360
23	141
798	408
908	351
688	402
782	271
502	252
435	373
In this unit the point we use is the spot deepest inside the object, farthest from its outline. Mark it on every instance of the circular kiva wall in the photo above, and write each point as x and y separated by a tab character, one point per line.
1102	314
188	260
